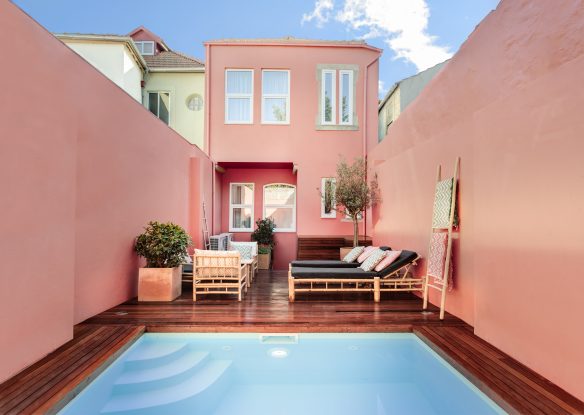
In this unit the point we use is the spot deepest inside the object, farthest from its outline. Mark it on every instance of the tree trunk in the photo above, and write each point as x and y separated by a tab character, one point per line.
355	231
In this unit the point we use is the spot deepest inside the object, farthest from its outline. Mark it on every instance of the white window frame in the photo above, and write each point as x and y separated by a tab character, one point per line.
239	205
293	228
140	46
169	104
323	214
286	97
250	96
333	121
350	95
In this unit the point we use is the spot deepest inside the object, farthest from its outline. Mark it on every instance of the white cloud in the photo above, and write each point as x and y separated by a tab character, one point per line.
402	24
321	13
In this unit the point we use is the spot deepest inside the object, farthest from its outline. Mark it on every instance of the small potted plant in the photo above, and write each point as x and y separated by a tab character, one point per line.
264	236
164	246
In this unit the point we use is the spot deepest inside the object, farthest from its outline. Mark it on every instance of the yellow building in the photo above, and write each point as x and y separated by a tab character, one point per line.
170	84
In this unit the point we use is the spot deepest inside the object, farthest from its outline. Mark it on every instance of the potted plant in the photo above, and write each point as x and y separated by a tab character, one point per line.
164	246
264	236
351	195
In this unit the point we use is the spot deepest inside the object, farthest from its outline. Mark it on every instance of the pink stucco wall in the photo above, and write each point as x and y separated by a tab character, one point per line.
83	167
510	104
286	242
315	152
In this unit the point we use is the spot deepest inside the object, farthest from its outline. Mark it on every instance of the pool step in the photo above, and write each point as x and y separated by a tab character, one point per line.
166	374
193	395
154	354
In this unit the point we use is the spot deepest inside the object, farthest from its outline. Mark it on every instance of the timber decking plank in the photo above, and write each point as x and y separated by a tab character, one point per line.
40	387
514	386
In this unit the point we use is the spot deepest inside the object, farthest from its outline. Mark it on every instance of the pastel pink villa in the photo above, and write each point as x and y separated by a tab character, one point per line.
84	167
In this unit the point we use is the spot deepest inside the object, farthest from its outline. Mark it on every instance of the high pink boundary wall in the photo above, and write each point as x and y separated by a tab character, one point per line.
83	167
510	103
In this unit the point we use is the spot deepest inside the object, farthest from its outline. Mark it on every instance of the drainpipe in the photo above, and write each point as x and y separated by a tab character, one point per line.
207	130
365	80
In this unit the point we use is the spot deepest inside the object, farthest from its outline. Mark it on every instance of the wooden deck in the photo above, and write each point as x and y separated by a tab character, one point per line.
45	386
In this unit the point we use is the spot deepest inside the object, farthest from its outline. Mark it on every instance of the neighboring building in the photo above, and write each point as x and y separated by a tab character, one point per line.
280	113
402	94
174	87
114	56
168	83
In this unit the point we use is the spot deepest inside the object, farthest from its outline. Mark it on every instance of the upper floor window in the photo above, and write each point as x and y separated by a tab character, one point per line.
328	97
238	96
327	203
346	97
145	47
337	96
159	105
275	96
280	205
241	207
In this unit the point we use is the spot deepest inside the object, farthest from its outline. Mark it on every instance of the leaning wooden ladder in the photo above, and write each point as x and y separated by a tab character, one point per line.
440	280
206	236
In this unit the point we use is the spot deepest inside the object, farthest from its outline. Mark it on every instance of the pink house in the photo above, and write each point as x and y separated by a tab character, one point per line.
280	112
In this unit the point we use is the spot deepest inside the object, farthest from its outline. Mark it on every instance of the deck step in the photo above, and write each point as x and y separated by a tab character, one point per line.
154	354
166	374
188	394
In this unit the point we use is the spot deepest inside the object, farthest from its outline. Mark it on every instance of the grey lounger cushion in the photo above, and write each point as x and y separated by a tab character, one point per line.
341	273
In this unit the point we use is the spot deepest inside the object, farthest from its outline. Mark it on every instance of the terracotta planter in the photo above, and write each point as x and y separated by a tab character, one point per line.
264	261
159	284
345	251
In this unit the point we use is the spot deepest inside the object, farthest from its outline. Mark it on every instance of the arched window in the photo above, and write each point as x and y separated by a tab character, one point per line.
280	205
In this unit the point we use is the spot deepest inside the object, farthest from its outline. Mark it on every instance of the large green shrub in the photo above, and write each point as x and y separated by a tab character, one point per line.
264	232
164	245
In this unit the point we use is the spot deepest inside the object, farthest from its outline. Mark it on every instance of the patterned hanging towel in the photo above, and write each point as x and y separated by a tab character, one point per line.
442	203
437	259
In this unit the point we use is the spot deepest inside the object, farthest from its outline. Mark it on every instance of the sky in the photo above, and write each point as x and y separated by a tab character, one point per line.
414	34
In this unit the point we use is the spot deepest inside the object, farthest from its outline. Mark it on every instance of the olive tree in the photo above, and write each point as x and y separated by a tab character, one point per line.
350	194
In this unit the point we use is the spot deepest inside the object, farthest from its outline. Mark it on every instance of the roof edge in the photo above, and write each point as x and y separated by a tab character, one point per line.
292	42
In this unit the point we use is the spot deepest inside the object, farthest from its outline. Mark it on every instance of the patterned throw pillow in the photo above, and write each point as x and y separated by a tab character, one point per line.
387	260
244	248
373	259
366	252
354	254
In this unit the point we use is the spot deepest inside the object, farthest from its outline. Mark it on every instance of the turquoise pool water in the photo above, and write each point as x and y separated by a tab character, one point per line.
341	374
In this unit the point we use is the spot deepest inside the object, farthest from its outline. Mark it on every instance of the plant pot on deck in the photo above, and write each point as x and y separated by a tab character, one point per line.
264	260
159	284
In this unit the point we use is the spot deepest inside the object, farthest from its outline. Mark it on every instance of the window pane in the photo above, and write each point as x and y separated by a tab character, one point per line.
153	103
275	82
283	216
164	106
239	109
238	82
328	97
241	194
280	195
345	99
275	109
328	196
241	218
148	48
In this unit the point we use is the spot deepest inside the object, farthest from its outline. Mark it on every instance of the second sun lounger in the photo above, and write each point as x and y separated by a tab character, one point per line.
395	277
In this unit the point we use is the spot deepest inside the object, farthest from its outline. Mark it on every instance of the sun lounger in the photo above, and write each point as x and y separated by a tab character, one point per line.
393	278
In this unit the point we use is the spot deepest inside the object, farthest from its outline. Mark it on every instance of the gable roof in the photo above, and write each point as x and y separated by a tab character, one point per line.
170	60
151	35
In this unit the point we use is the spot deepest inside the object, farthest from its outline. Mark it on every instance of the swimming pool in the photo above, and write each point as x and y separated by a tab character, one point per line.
277	374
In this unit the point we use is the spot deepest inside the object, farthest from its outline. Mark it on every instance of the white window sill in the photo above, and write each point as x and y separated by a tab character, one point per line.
238	122
240	230
275	123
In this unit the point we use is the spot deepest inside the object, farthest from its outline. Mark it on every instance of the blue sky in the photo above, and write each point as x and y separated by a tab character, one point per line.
414	34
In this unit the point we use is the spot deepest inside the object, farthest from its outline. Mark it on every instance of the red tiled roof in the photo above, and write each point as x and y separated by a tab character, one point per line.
170	59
